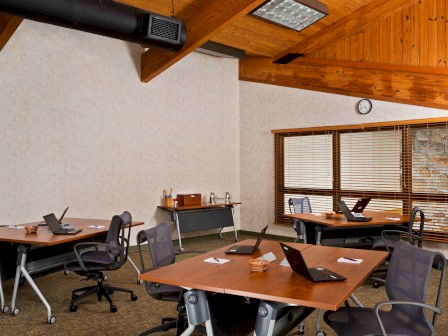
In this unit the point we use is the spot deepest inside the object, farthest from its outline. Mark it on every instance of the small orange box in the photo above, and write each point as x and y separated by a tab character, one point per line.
189	199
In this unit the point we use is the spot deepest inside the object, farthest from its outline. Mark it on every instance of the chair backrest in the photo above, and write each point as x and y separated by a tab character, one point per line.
160	245
116	238
407	280
417	211
299	205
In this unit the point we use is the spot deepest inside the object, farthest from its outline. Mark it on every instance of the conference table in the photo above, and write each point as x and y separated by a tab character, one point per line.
317	223
200	217
277	287
91	229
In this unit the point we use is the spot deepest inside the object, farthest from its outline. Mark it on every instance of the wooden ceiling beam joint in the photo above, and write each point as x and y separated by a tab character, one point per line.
213	16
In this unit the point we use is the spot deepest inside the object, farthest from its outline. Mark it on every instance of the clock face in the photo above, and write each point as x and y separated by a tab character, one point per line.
364	106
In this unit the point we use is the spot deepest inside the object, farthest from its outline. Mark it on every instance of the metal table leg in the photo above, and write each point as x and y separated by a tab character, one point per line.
21	270
278	319
3	307
234	227
176	220
198	311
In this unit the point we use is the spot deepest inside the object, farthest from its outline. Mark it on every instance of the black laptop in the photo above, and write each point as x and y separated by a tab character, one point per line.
247	249
361	204
315	274
60	219
56	227
352	216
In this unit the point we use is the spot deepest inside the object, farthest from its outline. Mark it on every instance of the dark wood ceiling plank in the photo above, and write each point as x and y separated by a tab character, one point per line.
212	16
424	86
8	25
353	23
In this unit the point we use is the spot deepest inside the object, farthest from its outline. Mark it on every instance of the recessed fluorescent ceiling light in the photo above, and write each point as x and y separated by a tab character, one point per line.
294	14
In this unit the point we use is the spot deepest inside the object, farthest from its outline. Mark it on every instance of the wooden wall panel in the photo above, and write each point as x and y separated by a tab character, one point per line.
441	34
413	36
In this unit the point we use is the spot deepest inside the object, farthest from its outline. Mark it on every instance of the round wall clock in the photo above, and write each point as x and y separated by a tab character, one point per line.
364	106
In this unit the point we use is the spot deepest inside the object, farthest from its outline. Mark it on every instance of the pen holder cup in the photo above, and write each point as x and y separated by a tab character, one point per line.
31	228
168	202
257	265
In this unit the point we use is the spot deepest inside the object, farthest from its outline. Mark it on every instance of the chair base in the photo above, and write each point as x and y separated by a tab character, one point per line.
101	291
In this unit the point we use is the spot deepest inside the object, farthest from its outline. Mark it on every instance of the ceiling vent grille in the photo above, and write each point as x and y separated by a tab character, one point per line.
163	28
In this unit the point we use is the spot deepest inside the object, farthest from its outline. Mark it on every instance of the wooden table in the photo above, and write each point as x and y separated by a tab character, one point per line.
317	223
278	284
44	237
205	216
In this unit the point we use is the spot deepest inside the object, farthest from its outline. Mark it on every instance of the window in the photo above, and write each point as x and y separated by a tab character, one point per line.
400	165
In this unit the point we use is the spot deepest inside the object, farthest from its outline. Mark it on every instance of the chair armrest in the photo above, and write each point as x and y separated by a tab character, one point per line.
81	248
377	307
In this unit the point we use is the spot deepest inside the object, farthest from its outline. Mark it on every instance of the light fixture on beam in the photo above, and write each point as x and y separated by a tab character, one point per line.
294	14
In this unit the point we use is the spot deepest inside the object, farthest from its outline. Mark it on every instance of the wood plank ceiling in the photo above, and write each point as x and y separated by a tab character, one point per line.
393	50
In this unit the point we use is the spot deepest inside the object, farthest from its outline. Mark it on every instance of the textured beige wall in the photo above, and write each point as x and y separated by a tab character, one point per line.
267	107
80	130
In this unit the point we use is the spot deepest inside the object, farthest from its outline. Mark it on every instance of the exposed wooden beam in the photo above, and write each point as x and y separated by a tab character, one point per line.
8	25
400	84
212	16
347	26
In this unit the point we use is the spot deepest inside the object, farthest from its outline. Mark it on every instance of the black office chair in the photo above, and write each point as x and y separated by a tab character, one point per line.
395	234
161	250
299	205
406	285
94	258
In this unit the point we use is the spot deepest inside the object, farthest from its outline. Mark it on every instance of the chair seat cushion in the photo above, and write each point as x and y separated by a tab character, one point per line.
163	292
97	260
380	245
357	321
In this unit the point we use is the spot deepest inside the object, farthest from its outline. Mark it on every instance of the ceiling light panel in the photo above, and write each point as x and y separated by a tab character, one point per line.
294	14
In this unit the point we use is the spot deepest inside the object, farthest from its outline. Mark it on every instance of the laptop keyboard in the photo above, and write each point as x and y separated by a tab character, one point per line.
66	230
245	249
318	275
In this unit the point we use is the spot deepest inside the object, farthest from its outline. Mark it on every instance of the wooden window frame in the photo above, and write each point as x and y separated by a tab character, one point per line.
406	194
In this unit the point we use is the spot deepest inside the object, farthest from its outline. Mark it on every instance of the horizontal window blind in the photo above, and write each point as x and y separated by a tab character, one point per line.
398	164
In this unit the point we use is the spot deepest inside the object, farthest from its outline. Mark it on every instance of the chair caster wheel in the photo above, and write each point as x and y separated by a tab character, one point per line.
66	272
51	320
134	297
110	292
15	311
105	278
301	330
139	282
320	333
113	309
73	308
74	296
376	284
5	309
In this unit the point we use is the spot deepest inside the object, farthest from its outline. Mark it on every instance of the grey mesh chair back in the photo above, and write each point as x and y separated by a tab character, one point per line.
406	287
116	239
407	280
388	243
299	205
161	250
160	245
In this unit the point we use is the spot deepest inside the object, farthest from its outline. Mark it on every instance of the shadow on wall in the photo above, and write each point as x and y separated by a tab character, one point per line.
135	51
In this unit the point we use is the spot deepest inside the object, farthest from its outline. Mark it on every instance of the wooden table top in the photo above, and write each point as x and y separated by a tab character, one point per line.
339	220
278	283
199	206
43	236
